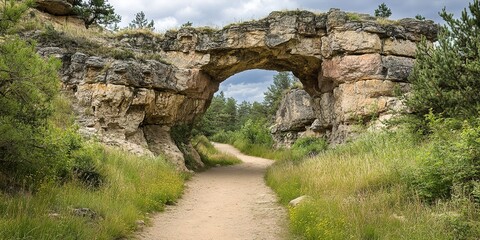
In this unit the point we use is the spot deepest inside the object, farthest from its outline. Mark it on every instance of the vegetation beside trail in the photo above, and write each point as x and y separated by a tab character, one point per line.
53	183
210	155
127	188
421	181
374	188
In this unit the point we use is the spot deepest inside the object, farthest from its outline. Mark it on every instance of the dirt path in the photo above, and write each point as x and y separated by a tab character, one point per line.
224	203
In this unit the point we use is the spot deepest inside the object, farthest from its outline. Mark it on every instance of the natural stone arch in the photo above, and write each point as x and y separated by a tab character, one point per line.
349	64
350	68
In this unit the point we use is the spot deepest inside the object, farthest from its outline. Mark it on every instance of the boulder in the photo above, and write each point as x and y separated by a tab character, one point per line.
299	200
294	115
55	7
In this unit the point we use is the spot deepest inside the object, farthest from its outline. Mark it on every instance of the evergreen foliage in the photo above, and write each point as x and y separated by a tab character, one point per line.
187	24
419	17
383	11
32	147
11	11
96	12
446	76
38	141
225	116
281	82
445	104
141	22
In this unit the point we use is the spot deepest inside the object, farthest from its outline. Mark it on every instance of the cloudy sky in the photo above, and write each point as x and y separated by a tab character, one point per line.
250	85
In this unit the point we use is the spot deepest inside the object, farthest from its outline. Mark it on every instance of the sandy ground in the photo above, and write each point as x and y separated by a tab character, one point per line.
224	203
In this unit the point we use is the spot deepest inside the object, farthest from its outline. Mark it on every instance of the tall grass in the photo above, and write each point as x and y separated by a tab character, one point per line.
303	147
132	186
210	155
361	191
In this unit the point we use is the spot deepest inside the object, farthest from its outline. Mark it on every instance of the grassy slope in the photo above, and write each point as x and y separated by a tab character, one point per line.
210	155
360	191
133	187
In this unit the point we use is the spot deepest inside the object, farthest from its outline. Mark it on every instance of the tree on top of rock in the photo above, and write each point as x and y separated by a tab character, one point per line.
96	12
419	17
383	11
141	22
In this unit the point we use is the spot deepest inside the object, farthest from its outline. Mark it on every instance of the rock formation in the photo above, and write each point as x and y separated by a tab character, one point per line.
294	117
349	64
55	7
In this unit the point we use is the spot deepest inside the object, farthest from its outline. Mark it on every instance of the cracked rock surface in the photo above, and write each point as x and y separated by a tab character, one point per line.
349	67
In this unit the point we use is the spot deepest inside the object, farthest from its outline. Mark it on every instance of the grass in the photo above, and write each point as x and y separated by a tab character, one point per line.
354	16
296	153
360	190
262	151
210	155
133	186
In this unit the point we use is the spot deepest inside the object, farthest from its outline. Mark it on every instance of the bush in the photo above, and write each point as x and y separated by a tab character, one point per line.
222	136
310	146
453	160
255	132
32	147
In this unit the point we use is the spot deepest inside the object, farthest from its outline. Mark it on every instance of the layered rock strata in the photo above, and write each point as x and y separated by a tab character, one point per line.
349	64
293	119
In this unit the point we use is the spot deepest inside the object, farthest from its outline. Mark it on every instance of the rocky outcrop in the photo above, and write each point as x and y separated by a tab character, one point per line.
349	64
294	117
133	104
55	7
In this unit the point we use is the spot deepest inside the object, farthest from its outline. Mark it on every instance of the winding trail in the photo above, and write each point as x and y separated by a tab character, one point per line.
224	203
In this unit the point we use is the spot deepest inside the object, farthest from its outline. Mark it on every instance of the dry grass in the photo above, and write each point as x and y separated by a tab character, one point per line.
210	155
134	186
360	191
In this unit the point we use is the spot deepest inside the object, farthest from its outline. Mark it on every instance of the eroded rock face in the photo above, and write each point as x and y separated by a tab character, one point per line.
294	117
55	7
349	68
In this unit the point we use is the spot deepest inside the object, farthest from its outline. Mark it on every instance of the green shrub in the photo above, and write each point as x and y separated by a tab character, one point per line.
256	132
362	190
32	147
453	160
310	146
120	54
222	136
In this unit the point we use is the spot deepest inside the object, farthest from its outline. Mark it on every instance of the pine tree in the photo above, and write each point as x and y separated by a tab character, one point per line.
141	22
95	12
229	114
419	17
383	11
243	112
281	82
11	11
445	79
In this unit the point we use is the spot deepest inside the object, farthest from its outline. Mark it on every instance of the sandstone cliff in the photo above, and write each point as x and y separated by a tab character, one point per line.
134	88
293	119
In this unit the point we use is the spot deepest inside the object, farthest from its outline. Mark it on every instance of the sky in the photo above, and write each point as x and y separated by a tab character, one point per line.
250	85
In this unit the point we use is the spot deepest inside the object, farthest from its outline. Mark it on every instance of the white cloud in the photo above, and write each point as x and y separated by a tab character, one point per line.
222	12
187	12
164	24
169	14
256	9
249	92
